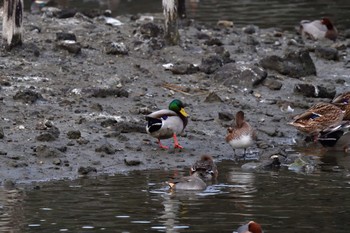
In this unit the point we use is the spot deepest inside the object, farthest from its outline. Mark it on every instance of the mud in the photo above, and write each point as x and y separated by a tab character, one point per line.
78	108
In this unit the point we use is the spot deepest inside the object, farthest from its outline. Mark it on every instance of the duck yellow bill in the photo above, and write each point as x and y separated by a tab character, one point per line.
183	112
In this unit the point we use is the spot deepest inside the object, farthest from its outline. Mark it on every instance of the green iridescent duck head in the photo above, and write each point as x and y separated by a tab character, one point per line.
178	107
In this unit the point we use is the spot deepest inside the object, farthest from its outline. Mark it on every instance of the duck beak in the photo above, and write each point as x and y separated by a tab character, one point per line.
183	112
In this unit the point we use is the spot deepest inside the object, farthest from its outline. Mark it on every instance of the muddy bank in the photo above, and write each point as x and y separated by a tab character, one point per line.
74	96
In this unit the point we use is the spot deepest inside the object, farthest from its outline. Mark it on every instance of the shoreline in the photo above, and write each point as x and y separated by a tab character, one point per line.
72	108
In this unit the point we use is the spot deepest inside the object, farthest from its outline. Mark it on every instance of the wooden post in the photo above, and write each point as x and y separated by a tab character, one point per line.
12	22
171	33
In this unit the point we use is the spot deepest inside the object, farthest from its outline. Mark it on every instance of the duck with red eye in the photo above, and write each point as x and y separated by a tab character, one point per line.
167	123
318	29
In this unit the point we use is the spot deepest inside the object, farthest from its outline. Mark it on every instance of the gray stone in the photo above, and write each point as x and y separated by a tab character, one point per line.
132	162
184	68
211	63
327	53
272	84
309	90
86	170
74	134
27	96
70	45
106	148
116	48
295	64
2	135
240	75
212	98
226	116
150	30
44	151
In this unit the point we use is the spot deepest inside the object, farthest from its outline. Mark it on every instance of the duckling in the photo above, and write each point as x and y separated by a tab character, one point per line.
250	227
318	118
242	135
318	29
167	123
191	183
205	167
343	102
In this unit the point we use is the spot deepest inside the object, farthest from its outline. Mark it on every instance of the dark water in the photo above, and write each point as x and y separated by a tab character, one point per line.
265	13
139	202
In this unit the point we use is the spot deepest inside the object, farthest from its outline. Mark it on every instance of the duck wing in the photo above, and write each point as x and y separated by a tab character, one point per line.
161	114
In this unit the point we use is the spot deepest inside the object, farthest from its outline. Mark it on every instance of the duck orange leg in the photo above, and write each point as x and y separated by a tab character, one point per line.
176	142
161	145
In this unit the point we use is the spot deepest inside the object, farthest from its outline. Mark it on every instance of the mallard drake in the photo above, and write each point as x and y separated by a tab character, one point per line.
343	102
250	227
318	29
318	118
241	135
192	182
167	123
205	167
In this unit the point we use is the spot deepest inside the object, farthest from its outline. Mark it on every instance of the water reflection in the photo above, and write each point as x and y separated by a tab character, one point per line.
11	209
269	13
140	201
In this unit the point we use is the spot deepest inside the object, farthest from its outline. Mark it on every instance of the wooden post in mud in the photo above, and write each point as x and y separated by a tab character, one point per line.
12	22
171	33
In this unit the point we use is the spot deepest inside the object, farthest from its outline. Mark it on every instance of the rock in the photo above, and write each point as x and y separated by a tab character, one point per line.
150	30
225	54
251	40
272	84
2	135
212	98
240	75
132	162
294	64
46	137
44	151
65	36
57	161
319	91
211	63
106	148
51	133
130	127
105	92
66	13
184	68
28	96
213	41
74	134
116	48
250	29
327	53
226	116
270	131
70	45
202	36
86	170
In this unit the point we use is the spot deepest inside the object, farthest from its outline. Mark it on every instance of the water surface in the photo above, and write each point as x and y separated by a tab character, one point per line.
267	13
140	202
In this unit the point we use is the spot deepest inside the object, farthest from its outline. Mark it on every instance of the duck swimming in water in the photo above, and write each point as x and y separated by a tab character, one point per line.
205	167
167	123
190	183
250	227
